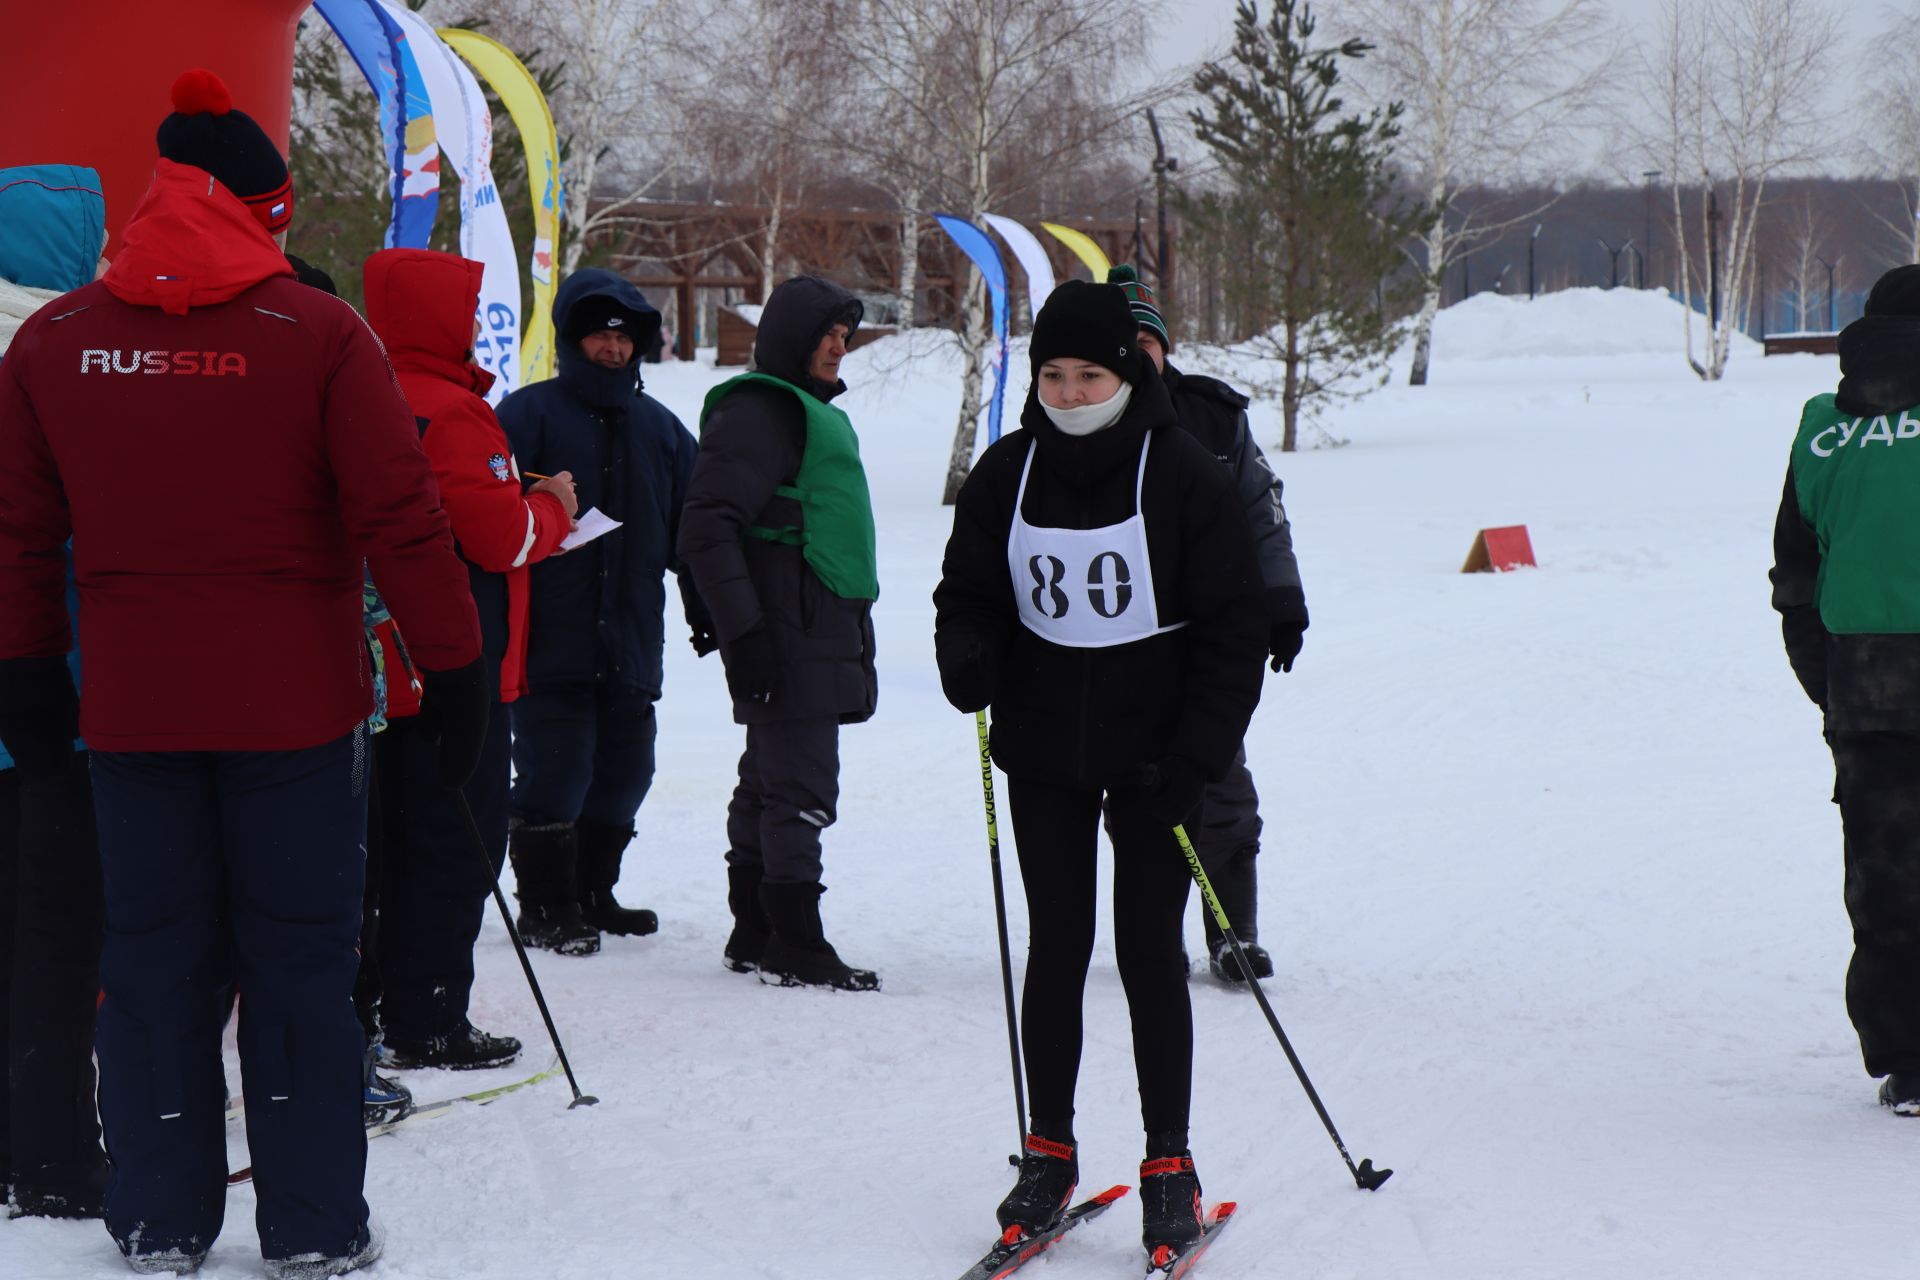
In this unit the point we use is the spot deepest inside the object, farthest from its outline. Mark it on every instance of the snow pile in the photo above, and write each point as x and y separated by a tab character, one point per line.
1572	322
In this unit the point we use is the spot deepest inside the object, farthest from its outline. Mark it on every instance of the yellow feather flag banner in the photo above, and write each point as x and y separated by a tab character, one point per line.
520	93
1083	248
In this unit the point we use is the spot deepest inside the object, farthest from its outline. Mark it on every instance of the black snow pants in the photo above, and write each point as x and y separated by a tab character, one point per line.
433	885
1056	830
225	869
788	789
1226	835
1880	810
51	921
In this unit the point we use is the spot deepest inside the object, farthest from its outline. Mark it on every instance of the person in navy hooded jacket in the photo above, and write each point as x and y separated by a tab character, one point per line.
51	911
583	734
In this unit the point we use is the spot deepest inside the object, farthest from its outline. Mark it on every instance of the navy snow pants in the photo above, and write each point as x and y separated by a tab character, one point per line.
224	869
582	754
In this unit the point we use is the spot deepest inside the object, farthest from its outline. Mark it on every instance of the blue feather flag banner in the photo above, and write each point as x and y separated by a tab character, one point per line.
978	246
379	48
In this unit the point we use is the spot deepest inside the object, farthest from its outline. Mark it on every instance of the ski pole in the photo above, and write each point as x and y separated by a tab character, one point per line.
1365	1176
1000	914
520	949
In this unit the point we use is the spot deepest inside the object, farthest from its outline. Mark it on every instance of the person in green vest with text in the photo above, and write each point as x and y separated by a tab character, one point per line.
777	530
1847	585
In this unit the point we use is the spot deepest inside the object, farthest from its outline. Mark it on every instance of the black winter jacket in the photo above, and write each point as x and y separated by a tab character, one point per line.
753	443
1098	717
1864	683
598	613
1216	414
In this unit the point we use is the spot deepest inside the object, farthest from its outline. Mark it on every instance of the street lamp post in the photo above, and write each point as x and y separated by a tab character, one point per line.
1648	176
1531	241
1833	309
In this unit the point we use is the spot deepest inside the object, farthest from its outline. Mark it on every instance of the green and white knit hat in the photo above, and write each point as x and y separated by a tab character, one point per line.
1140	297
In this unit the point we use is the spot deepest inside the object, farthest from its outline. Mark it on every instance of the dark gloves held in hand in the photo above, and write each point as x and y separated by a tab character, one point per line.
1283	642
966	671
1286	625
703	640
753	668
39	714
454	708
1170	790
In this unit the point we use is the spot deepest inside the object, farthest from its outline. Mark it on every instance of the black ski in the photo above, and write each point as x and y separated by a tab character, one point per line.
1010	1255
1173	1262
429	1111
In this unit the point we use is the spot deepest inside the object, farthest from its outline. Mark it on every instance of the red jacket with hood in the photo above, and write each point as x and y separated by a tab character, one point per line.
422	305
226	448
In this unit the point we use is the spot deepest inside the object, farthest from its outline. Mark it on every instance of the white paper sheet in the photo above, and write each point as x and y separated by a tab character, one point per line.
593	523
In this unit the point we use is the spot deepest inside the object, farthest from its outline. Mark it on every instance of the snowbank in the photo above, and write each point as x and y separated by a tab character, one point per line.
1572	322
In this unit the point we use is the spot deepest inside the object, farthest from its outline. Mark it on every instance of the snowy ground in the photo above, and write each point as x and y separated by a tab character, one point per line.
1551	879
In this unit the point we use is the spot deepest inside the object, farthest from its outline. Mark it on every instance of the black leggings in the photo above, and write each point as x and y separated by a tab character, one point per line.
1056	830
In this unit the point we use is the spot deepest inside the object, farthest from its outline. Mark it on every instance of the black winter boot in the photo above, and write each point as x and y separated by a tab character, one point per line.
1042	1190
77	1192
466	1048
545	858
1169	1203
601	849
1900	1092
748	941
1226	966
797	954
1237	883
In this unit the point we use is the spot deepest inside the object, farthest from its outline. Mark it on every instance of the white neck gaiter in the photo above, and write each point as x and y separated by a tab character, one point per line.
1084	420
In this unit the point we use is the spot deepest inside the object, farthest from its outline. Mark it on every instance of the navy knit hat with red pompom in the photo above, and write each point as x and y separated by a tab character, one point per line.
208	132
1140	297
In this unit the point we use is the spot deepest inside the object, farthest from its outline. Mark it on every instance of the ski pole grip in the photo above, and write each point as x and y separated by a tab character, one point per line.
1200	877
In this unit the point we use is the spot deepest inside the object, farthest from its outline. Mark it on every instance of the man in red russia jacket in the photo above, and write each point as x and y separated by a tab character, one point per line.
433	889
226	449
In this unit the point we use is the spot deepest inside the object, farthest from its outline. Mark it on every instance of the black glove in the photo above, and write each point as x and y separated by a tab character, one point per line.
1286	625
454	708
966	670
703	640
1283	642
753	668
39	714
1170	790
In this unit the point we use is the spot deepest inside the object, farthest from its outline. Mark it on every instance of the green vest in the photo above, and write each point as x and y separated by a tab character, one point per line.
836	510
1857	482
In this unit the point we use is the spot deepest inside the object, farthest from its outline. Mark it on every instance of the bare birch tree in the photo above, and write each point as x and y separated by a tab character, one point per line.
1889	101
1736	85
971	81
1495	92
625	70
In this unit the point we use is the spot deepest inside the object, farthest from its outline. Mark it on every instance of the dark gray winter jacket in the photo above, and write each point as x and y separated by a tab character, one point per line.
1216	415
752	444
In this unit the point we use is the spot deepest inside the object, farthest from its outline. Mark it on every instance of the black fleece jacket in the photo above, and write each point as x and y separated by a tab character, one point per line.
1098	717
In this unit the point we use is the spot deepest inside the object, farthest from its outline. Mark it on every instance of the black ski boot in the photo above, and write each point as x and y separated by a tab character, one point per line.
1169	1203
545	861
383	1099
797	954
748	941
1900	1092
601	849
464	1049
1042	1190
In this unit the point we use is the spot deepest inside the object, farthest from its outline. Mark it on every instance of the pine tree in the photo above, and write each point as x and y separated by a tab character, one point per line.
1308	217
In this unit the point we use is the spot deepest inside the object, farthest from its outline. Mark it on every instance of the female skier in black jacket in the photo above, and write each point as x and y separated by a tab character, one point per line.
1100	592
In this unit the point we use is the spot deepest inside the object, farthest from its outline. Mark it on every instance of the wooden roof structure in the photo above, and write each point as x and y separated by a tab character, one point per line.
691	248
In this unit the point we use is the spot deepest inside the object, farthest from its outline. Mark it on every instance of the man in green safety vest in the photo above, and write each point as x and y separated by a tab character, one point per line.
1847	585
777	530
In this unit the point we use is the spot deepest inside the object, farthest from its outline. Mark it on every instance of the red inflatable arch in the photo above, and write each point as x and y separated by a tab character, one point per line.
87	83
